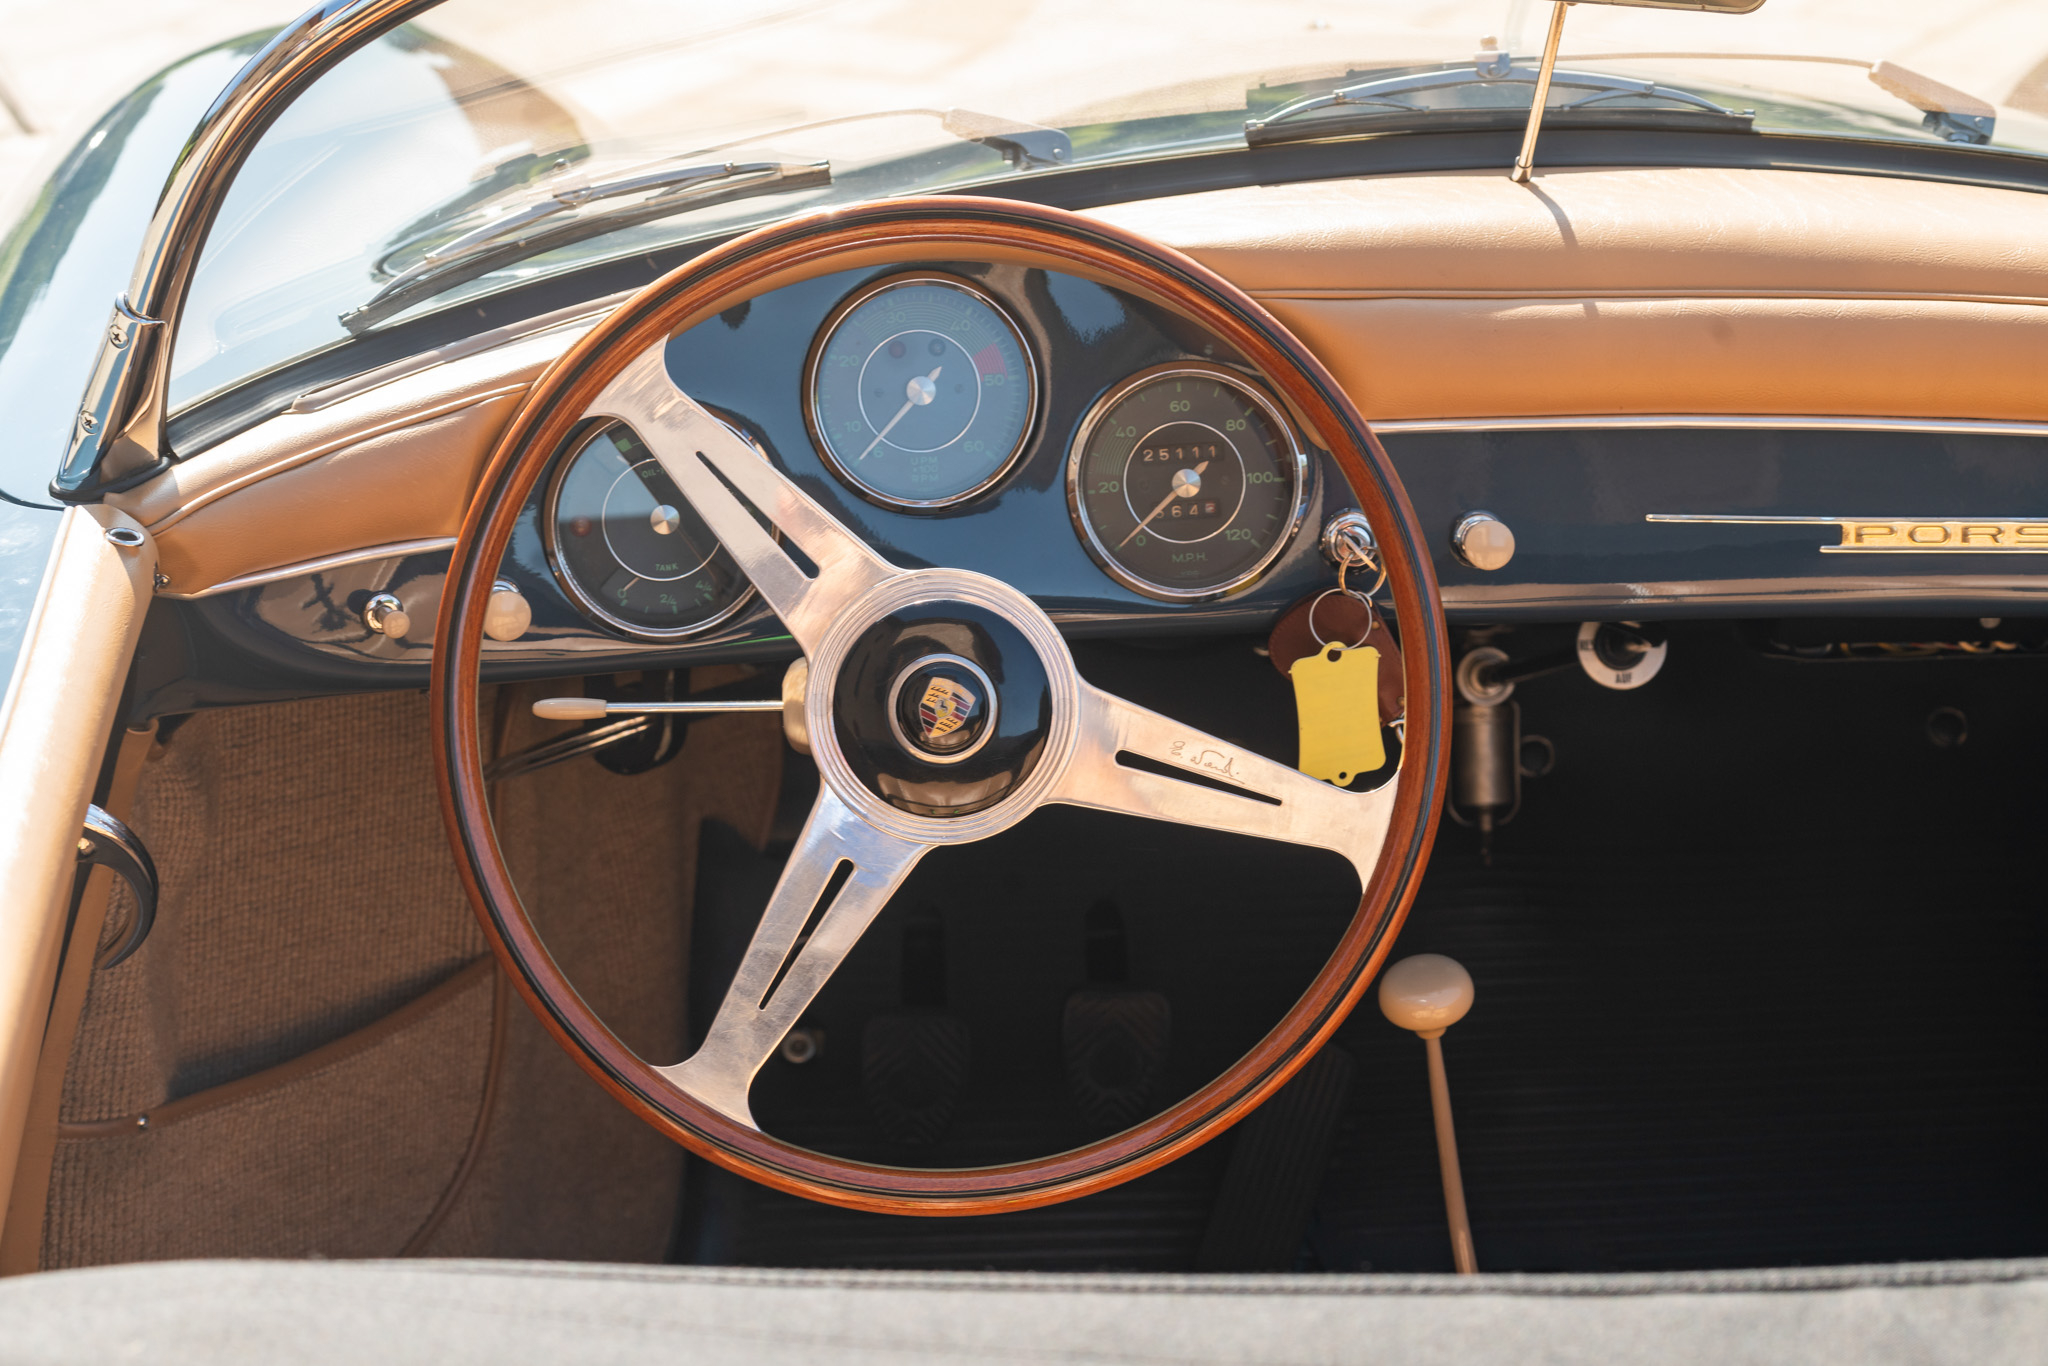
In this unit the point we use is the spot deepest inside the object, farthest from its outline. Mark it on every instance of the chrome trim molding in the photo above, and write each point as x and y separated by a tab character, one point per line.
397	550
1940	426
1719	597
1899	535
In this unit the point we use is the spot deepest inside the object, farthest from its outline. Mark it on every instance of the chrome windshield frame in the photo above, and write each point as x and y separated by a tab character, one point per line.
117	437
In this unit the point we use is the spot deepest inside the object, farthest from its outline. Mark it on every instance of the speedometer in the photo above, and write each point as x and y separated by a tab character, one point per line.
922	392
1186	481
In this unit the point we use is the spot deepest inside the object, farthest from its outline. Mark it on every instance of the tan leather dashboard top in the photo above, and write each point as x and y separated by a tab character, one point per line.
1461	295
1607	292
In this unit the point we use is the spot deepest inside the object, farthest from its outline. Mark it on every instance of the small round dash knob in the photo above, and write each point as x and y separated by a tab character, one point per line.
508	614
1483	541
1427	993
387	616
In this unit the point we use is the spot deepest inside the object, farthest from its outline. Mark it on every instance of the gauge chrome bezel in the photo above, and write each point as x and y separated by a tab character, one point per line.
1252	390
816	357
584	600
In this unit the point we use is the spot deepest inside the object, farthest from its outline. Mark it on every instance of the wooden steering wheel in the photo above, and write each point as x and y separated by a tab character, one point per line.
1053	737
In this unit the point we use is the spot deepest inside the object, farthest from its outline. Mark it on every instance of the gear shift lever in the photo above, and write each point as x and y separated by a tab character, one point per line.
1428	994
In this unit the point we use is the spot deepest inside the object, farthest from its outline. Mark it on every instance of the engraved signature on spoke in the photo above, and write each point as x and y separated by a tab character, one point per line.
1208	760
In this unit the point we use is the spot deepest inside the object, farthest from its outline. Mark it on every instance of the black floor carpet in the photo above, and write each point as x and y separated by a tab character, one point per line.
1760	968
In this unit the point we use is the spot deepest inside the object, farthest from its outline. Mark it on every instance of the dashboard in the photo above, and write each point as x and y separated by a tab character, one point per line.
1129	472
1024	404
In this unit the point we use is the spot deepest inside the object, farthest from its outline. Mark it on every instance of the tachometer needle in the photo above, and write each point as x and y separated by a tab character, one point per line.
1186	484
921	389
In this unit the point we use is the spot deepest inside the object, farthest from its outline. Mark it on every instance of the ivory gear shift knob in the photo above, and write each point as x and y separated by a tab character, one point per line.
1427	993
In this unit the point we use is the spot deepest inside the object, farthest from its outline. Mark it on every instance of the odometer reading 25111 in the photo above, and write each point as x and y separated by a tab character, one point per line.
921	391
1186	481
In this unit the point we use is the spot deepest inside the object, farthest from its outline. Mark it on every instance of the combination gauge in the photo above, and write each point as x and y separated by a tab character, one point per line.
1186	481
628	546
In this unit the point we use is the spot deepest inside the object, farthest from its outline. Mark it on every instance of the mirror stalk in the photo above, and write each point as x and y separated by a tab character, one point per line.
1526	162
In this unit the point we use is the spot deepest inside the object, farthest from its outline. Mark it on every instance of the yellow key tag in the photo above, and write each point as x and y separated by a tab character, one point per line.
1337	703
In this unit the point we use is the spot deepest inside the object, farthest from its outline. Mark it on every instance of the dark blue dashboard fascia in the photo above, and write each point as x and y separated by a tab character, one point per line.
748	366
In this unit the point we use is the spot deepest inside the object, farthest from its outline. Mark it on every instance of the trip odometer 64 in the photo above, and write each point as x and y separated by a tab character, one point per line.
921	391
1186	481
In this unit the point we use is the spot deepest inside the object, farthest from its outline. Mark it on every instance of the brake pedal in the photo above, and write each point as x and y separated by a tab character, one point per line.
913	1067
914	1061
1116	1044
1116	1040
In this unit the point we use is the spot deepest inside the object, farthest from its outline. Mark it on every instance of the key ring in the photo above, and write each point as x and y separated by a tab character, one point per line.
1317	636
1369	558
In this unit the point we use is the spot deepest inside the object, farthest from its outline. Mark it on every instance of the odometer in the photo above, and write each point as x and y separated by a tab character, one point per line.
921	391
1186	481
629	547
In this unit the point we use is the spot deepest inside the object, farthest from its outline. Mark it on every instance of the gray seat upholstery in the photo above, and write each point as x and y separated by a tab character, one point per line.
497	1312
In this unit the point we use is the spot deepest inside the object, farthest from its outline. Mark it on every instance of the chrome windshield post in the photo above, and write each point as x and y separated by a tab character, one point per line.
117	436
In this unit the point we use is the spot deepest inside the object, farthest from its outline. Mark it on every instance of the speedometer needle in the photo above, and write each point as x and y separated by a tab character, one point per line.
1184	486
921	389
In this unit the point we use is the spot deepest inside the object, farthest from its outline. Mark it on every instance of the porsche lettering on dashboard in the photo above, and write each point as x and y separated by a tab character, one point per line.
1896	535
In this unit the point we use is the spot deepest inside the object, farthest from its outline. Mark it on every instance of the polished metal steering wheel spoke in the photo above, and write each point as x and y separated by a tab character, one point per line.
839	876
708	461
1132	760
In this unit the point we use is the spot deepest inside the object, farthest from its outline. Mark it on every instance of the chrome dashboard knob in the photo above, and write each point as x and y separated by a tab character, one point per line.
1483	541
387	616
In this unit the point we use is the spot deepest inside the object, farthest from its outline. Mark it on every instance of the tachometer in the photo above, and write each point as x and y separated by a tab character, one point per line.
628	546
922	392
1186	481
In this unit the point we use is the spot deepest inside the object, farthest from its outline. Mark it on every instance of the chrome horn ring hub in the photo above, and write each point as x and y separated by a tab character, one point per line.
1026	742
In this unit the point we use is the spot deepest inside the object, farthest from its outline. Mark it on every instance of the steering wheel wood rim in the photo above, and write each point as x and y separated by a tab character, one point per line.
903	232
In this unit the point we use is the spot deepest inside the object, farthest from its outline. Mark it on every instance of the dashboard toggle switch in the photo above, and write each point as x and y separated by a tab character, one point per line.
387	616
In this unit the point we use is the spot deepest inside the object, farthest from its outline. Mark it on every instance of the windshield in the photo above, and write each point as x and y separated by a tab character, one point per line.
487	145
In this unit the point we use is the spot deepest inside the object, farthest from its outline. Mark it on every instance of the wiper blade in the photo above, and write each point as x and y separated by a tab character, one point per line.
571	213
1393	95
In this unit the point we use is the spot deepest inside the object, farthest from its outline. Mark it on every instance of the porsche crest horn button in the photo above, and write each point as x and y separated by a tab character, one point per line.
942	708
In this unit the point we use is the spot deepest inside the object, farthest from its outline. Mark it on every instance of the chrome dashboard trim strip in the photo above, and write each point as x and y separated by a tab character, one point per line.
397	550
1672	600
1898	535
1938	426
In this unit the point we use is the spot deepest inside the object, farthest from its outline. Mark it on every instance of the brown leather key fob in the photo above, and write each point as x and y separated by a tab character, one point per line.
1340	619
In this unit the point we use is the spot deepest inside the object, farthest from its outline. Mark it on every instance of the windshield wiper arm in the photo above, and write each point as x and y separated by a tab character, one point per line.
1387	94
565	215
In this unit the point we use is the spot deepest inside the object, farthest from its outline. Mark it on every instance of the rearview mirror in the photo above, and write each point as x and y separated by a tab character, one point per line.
1526	162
